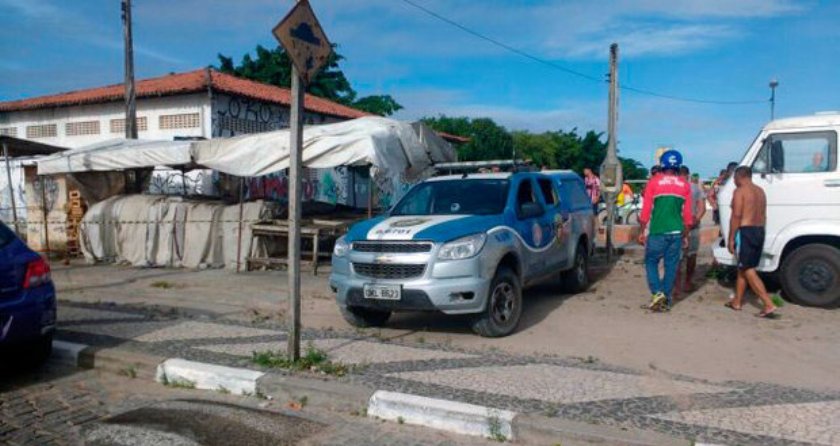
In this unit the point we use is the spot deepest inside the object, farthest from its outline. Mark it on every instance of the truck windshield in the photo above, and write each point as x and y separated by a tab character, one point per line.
478	196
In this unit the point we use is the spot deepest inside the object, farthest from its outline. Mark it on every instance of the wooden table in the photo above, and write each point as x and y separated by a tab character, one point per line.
316	229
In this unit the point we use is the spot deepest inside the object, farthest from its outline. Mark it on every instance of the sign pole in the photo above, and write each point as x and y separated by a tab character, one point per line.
130	93
295	214
611	174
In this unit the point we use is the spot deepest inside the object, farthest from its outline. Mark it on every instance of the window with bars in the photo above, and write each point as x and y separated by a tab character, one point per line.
8	131
81	128
181	121
239	126
118	125
41	131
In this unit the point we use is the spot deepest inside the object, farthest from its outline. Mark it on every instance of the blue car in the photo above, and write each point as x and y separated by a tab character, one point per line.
27	300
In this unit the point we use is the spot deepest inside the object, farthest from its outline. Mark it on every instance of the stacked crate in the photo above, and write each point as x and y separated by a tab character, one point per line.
75	212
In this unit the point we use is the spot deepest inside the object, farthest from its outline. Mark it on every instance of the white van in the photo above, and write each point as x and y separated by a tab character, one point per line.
795	161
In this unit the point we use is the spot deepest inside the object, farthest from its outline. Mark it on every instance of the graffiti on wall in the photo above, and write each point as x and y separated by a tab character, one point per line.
237	115
17	186
50	192
331	186
175	182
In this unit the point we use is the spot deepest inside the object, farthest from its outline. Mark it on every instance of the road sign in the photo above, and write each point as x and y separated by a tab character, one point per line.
304	39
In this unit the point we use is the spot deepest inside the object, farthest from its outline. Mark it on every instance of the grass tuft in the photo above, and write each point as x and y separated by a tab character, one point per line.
313	360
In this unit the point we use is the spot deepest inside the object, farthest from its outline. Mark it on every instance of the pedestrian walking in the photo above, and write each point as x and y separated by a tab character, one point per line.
665	221
698	211
746	240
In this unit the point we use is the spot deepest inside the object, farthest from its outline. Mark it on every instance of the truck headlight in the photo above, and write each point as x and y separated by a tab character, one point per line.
341	247
462	248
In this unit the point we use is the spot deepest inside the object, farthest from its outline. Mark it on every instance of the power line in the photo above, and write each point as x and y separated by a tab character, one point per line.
569	70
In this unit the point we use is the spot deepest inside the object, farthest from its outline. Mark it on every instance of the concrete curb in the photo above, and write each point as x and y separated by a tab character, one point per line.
181	372
452	416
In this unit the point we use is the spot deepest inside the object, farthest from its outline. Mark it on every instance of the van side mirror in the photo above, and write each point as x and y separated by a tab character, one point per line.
530	210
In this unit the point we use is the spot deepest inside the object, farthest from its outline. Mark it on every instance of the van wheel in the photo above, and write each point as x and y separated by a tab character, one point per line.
576	279
811	275
364	317
504	306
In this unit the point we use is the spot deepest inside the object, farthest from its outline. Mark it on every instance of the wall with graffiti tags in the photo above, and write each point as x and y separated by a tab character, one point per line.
193	182
6	213
238	115
46	193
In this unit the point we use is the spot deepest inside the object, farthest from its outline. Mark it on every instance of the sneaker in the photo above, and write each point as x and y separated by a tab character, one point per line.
657	301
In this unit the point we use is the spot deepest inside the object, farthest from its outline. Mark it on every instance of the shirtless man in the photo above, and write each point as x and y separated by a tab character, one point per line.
746	239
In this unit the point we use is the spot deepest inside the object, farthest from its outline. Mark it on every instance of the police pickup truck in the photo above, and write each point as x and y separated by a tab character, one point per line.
466	244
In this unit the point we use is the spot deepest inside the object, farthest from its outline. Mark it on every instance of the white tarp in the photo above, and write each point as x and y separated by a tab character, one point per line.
117	154
149	231
394	148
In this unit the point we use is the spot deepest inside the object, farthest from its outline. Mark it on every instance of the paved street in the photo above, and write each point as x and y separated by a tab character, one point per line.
57	405
579	389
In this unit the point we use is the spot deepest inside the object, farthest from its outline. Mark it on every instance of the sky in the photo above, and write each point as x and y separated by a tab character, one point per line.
718	50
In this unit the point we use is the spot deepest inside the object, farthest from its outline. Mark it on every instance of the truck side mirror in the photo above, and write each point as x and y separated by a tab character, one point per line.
530	210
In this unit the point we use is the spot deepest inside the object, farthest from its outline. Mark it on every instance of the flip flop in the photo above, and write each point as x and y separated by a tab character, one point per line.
768	315
731	306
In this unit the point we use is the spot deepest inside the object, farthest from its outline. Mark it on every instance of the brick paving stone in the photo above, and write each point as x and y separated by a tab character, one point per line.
193	330
817	423
346	351
557	384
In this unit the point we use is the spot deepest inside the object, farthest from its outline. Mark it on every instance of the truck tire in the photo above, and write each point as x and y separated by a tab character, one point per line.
810	275
576	279
504	306
365	317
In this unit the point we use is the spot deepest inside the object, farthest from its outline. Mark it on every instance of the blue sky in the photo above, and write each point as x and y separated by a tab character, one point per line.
712	49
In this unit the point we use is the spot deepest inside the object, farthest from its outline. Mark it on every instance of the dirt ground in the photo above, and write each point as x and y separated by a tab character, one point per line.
698	338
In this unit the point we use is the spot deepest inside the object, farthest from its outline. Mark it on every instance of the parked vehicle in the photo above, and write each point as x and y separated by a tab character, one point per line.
466	244
27	299
795	161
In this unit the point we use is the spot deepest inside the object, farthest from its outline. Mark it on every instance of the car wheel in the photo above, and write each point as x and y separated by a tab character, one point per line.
504	306
811	275
576	279
365	317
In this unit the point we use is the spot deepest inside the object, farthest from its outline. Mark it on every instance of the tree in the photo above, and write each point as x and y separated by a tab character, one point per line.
274	67
488	140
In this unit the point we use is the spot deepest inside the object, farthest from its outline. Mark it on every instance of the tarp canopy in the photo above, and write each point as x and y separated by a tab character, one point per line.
396	147
117	154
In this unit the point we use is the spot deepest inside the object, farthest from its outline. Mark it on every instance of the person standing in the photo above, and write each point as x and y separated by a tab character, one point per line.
593	188
698	211
746	239
713	195
665	221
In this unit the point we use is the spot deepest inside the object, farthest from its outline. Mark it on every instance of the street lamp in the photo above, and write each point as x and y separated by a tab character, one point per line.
773	84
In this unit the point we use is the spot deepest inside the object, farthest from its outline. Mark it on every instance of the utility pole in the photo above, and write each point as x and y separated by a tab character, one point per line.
130	93
611	173
773	84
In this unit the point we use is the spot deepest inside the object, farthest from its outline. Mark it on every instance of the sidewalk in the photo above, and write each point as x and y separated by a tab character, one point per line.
579	390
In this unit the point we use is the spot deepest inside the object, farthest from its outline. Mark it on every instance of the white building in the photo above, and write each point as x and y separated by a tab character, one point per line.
204	103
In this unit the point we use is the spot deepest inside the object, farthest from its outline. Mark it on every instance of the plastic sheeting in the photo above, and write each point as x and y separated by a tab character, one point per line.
157	231
117	154
392	147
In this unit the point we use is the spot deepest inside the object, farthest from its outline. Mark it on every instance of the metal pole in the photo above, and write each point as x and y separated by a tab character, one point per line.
46	215
295	155
239	238
11	188
130	93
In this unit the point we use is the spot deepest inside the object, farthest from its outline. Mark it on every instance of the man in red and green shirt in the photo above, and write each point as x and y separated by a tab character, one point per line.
665	222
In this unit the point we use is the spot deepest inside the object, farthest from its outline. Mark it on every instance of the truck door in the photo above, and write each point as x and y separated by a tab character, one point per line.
532	225
798	172
556	218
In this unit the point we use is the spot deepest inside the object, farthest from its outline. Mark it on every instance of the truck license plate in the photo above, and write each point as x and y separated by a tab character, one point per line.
383	292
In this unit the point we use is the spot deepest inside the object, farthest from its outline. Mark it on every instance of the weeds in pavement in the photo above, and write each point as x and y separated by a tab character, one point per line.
179	383
303	401
313	360
223	390
552	411
130	371
162	284
359	413
494	427
400	420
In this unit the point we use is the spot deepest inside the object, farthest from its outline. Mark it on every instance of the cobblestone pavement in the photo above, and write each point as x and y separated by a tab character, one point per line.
582	389
56	405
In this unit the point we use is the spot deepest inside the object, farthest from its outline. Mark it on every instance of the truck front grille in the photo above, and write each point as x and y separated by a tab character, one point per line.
389	270
392	247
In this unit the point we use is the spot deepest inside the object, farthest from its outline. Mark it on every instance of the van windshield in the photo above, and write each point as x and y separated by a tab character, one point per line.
449	197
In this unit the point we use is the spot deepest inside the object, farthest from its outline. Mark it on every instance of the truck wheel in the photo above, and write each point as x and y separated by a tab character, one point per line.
504	306
811	275
364	317
576	279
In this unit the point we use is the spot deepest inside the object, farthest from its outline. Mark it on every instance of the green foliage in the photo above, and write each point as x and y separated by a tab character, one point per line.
495	428
275	67
313	360
552	149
